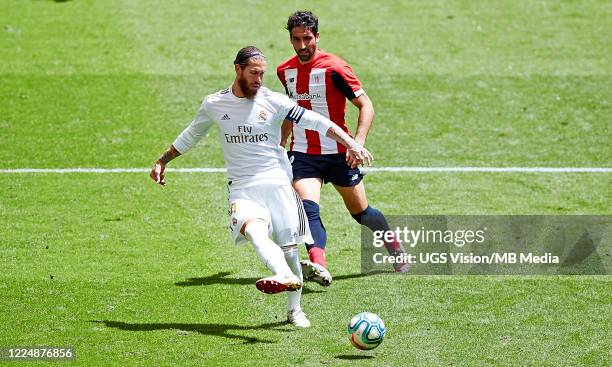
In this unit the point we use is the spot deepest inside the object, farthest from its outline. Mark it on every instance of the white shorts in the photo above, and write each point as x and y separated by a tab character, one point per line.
278	205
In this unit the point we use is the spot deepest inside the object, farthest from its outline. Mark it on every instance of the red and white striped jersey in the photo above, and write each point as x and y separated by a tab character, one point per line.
322	85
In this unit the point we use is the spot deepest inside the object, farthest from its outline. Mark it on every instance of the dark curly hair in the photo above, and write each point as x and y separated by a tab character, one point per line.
303	18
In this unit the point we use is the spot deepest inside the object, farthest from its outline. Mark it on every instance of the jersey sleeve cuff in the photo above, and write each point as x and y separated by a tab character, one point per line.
180	146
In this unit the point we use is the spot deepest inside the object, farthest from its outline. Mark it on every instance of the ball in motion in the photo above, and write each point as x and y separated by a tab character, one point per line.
366	330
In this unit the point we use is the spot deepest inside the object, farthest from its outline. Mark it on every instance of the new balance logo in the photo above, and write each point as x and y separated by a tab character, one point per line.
225	117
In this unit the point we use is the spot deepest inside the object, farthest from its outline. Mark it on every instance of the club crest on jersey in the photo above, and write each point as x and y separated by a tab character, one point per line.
263	116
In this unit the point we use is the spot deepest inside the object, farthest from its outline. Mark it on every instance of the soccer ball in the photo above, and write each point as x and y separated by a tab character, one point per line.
366	330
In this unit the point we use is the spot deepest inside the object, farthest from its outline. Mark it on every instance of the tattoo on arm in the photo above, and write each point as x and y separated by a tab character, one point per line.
338	135
169	155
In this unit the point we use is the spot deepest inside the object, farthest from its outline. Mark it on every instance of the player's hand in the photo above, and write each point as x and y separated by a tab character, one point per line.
157	173
357	155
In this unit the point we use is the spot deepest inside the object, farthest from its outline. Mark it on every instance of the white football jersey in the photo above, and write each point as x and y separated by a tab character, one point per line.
249	134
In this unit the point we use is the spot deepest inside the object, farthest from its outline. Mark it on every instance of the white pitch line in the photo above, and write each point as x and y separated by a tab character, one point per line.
107	170
371	169
493	169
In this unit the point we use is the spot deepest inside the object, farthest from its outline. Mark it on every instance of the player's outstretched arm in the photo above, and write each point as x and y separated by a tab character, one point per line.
306	119
356	153
157	173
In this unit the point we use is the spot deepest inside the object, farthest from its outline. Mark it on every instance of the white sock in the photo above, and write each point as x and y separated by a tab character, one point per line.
292	258
268	252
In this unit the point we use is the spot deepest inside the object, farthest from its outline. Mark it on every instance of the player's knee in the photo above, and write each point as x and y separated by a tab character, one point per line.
254	229
371	217
359	216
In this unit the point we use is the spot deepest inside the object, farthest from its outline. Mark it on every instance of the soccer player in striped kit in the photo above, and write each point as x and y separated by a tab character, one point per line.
322	82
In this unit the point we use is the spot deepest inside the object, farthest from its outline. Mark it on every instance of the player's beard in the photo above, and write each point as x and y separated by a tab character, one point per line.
249	92
306	54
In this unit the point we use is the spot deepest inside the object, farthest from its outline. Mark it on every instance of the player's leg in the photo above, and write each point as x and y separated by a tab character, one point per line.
307	174
309	190
251	222
289	227
354	197
356	203
272	256
295	315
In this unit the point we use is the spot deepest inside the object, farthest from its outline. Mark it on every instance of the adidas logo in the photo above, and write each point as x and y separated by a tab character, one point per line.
225	117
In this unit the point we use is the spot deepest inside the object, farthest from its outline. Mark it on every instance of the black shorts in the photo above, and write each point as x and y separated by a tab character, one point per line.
328	167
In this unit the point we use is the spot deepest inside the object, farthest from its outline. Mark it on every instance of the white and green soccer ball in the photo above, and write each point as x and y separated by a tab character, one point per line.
366	330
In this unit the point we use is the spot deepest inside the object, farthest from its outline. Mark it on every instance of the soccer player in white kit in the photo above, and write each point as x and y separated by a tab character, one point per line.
264	208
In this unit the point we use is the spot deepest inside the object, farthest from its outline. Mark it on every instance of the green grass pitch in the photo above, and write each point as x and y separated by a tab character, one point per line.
129	273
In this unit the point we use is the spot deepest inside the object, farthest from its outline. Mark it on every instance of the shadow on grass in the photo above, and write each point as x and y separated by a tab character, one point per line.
350	357
361	275
222	330
221	278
